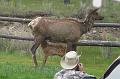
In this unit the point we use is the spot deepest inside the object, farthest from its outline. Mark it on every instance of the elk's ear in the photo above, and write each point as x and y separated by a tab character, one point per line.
94	10
91	11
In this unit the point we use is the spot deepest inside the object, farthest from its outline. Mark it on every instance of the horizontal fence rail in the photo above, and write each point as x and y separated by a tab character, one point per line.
17	37
80	43
30	14
98	43
25	20
114	25
14	19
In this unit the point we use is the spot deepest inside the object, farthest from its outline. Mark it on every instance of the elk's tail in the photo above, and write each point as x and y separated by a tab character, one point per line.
31	24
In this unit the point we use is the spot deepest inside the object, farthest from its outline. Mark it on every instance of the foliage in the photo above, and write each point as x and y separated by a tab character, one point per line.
110	9
19	65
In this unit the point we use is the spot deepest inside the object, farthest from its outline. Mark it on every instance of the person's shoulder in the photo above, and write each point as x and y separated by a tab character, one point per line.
59	74
61	71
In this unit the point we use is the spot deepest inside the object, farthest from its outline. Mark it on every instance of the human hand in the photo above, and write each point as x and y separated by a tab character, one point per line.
81	67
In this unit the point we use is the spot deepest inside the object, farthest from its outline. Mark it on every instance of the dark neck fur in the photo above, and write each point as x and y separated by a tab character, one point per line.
88	24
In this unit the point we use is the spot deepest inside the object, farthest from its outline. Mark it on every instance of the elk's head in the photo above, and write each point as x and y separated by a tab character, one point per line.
93	14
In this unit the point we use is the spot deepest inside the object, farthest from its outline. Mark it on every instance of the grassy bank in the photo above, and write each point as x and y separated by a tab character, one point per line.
18	65
54	6
110	9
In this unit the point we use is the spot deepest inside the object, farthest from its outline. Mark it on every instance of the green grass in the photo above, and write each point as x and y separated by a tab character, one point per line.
110	10
18	65
94	62
19	71
54	6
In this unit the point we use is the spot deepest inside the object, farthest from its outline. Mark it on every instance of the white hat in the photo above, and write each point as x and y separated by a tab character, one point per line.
70	60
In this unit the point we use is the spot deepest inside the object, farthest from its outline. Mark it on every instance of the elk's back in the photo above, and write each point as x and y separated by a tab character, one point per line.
63	31
57	30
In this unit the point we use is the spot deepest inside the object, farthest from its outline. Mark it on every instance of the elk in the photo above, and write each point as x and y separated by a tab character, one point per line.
50	49
65	30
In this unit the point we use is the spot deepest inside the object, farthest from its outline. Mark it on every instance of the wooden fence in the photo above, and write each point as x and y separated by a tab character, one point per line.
81	43
25	20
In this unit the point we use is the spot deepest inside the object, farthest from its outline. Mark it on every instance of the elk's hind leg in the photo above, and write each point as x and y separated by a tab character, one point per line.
74	47
69	46
33	50
36	44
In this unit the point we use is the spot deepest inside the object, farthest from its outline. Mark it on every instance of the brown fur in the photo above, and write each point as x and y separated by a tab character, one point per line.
60	30
50	49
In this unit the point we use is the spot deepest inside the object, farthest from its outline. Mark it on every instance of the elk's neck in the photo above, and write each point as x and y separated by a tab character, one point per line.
88	24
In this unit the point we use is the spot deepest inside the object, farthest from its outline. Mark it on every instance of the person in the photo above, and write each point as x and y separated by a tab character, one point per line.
72	69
